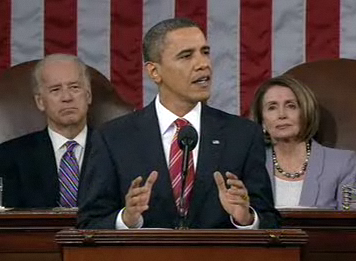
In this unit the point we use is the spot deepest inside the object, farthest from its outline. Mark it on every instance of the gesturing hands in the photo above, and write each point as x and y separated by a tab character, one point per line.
137	198
234	198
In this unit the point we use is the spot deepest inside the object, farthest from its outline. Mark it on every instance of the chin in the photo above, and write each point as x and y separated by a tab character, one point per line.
285	138
203	97
71	121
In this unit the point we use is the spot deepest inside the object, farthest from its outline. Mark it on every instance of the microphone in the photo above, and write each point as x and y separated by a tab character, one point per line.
187	140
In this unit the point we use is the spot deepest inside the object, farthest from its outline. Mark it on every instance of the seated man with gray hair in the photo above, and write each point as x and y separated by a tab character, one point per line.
41	169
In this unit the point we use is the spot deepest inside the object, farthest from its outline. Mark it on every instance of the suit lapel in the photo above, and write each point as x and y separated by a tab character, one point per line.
152	155
87	149
311	186
46	176
211	143
270	169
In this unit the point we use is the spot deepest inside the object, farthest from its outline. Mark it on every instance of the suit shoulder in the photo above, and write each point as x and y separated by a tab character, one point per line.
23	146
24	140
122	123
334	156
339	153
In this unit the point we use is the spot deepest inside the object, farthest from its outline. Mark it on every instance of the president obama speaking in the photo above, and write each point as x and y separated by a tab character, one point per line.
134	177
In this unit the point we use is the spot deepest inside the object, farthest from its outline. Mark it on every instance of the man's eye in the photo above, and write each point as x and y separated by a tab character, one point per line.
54	90
75	87
185	56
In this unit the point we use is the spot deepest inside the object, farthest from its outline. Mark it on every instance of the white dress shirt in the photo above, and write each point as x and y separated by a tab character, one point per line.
58	143
167	128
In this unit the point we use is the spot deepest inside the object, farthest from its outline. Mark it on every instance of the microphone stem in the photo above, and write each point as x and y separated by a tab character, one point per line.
182	201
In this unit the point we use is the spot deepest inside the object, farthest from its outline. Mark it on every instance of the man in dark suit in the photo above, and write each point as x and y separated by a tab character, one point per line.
31	164
111	194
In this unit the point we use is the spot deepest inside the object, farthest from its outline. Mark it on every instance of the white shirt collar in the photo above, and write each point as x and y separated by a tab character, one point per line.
166	117
58	140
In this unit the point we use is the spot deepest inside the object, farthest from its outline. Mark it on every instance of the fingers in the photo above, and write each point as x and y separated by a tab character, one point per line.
135	188
137	198
136	182
151	180
233	197
233	180
236	191
220	182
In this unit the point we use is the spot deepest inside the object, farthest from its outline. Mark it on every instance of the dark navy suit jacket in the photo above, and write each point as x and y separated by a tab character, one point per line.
131	146
28	167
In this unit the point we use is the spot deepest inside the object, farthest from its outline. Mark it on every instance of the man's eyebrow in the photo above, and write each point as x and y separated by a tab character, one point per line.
54	85
60	84
74	82
190	50
185	51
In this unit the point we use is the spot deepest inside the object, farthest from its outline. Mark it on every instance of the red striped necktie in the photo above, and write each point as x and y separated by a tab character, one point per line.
68	177
175	169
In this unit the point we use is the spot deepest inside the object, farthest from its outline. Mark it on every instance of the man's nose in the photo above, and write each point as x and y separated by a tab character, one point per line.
66	94
202	62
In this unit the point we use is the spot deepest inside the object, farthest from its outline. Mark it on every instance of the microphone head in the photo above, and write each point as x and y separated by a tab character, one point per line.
187	136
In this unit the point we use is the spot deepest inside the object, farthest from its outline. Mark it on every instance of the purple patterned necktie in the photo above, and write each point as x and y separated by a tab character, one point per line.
68	177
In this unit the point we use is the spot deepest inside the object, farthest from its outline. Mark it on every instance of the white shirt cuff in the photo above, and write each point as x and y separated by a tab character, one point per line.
255	224
119	224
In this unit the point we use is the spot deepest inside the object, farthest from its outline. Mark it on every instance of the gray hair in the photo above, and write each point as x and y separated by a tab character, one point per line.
153	41
37	72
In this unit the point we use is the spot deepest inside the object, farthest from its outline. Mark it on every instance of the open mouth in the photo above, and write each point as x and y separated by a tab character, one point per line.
203	80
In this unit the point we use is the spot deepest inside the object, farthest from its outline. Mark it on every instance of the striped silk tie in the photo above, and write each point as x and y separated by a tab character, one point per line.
68	177
175	169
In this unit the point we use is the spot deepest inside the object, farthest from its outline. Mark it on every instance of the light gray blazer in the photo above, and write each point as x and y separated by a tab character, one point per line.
328	169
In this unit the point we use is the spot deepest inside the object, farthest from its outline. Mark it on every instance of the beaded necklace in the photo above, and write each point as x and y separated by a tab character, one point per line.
294	175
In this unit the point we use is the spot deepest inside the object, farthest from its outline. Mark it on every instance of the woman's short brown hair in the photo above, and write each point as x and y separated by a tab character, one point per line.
308	104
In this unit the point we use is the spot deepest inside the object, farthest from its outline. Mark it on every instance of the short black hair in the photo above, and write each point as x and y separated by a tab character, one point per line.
154	38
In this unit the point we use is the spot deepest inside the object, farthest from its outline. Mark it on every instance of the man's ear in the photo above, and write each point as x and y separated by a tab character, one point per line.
153	71
89	95
39	102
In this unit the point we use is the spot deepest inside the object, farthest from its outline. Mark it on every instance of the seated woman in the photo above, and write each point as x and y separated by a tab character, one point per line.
303	172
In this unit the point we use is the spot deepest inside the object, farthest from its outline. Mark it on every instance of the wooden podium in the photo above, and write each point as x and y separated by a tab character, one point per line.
30	235
178	245
332	234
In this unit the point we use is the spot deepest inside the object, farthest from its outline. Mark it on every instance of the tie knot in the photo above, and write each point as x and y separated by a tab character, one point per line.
181	122
71	144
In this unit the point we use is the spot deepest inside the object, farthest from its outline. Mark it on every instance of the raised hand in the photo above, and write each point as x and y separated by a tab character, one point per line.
137	199
234	198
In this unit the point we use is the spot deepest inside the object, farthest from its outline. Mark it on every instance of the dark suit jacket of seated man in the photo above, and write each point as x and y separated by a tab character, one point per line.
29	164
29	169
122	150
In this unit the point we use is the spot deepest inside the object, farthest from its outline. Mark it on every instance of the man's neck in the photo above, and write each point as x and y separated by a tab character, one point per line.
70	132
179	109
